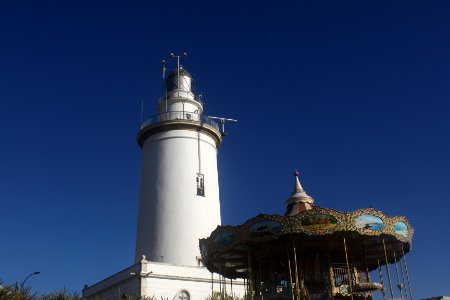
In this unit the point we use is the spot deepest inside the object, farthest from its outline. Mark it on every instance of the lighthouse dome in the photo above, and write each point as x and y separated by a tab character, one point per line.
180	79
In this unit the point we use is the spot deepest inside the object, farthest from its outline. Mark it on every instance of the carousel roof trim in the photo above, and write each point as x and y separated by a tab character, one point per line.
368	226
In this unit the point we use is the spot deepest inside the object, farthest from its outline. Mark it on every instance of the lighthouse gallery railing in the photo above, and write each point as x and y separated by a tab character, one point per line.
180	115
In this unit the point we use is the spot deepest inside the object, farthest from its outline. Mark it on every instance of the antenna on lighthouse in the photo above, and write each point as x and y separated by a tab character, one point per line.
164	87
163	62
178	57
222	121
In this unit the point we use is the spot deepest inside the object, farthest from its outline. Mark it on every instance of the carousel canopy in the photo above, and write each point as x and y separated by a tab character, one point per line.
371	236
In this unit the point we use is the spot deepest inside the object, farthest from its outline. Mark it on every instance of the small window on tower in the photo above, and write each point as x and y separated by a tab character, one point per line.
200	184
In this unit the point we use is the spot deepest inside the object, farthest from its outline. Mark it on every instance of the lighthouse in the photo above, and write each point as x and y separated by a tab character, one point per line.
179	190
178	202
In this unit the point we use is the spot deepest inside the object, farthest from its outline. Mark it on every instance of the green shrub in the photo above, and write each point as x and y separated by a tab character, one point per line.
223	296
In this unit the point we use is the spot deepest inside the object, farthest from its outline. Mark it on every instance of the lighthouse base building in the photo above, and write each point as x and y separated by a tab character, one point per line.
160	281
178	203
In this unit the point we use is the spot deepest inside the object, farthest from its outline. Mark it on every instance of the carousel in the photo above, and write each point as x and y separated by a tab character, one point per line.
314	253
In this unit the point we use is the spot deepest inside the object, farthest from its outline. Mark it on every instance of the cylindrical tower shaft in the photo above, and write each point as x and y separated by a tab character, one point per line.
179	193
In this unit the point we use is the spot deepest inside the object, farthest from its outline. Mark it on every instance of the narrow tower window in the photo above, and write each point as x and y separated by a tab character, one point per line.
200	184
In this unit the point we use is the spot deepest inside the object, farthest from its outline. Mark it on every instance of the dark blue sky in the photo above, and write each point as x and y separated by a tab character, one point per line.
355	94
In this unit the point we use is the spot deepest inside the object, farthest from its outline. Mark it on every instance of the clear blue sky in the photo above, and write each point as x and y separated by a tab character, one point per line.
355	94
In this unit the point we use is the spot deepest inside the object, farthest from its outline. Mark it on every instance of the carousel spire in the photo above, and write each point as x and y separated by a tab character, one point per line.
297	187
299	200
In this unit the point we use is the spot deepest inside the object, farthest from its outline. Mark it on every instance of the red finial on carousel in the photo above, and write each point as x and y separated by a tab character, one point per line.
299	200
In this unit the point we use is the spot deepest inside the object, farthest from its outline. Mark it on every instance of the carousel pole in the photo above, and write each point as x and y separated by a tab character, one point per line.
245	290
250	273
387	269
355	270
367	271
407	274
331	276
348	270
212	285
248	287
224	286
368	279
260	279
290	274
220	286
231	286
212	281
399	285
297	284
381	280
403	279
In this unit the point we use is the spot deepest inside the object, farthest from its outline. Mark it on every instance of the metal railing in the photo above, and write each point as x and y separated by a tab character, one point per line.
359	276
180	115
341	276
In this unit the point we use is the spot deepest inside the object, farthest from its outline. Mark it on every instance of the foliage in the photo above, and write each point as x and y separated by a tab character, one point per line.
133	297
13	292
60	295
223	296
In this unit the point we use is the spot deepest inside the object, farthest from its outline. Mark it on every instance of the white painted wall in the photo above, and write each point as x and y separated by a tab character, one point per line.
166	281
161	281
180	105
171	216
197	288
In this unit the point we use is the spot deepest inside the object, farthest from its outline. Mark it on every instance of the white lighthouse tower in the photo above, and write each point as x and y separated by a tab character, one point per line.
178	204
179	193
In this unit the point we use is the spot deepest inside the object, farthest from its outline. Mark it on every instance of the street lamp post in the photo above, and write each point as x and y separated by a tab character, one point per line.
23	282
